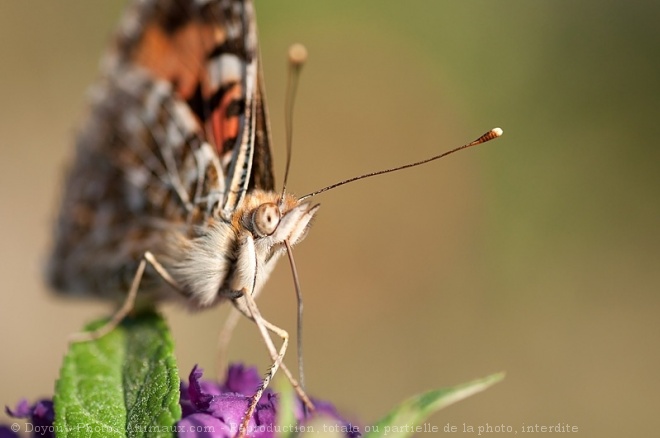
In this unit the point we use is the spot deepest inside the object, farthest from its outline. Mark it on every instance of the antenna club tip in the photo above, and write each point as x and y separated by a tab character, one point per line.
297	54
497	131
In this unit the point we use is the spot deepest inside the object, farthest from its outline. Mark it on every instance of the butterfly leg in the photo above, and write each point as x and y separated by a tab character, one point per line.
285	337
129	302
252	312
223	345
296	385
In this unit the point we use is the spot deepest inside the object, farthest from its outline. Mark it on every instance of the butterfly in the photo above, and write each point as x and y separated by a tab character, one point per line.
171	191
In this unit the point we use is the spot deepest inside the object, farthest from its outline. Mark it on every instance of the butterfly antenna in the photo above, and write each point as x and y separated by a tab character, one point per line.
299	332
490	135
297	57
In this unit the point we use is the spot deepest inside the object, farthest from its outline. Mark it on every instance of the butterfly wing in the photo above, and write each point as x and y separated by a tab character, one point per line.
262	164
175	125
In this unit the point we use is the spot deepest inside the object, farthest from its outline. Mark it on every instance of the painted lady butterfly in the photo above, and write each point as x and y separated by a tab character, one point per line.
172	191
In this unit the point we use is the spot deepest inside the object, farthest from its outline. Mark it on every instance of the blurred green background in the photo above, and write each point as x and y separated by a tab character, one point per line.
537	254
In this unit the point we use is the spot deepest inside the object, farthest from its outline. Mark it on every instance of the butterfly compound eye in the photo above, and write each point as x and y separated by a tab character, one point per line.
265	219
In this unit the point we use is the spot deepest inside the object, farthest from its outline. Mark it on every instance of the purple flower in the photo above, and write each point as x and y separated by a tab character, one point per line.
41	416
208	409
6	432
216	410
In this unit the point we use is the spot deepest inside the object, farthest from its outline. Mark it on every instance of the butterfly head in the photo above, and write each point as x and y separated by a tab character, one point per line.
273	219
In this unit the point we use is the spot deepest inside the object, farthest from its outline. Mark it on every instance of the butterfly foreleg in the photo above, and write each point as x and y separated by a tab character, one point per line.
129	302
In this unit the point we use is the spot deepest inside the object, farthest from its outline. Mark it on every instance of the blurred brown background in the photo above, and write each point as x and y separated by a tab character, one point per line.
538	254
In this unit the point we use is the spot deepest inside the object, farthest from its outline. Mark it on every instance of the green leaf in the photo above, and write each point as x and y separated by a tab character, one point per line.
403	420
123	384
